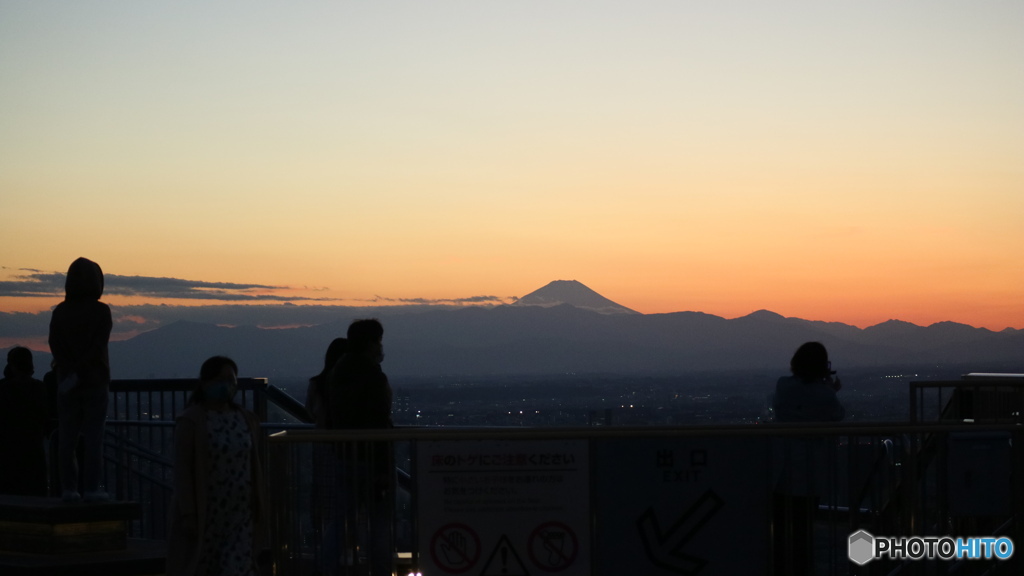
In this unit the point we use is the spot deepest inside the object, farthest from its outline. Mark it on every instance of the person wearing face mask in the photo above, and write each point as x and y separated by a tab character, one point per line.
218	486
359	392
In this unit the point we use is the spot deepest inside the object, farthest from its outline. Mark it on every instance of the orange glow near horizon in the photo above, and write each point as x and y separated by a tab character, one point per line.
860	305
845	163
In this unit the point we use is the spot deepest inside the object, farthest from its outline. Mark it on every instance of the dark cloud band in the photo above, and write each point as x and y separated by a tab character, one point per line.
48	284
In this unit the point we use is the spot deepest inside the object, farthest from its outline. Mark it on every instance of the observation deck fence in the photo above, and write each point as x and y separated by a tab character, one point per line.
632	496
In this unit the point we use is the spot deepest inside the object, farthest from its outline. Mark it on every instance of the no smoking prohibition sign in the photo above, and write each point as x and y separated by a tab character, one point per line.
455	548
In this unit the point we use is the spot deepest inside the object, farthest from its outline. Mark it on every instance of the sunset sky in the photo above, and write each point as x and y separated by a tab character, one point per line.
841	161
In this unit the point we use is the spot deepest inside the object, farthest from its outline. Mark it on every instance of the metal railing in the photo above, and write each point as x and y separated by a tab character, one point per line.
937	475
138	448
991	398
871	477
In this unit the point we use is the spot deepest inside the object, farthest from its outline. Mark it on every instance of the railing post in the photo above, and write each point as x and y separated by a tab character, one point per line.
413	504
1017	488
852	488
259	398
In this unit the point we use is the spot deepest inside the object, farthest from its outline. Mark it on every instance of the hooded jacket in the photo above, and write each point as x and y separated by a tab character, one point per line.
80	328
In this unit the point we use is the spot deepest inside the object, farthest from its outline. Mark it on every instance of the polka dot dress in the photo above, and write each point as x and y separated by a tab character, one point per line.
227	543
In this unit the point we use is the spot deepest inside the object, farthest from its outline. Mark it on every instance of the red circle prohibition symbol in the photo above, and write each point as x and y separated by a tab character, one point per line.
561	552
443	538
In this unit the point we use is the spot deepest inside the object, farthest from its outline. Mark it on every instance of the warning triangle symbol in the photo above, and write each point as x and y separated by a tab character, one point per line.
504	561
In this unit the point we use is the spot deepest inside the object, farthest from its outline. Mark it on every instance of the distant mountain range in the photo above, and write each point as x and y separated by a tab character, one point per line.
563	328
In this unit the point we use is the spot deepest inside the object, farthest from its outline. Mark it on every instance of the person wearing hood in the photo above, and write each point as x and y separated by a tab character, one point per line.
79	335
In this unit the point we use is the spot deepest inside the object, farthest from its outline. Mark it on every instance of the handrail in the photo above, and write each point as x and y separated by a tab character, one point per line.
1013	383
174	384
579	433
139	449
263	391
153	423
288	403
876	466
148	477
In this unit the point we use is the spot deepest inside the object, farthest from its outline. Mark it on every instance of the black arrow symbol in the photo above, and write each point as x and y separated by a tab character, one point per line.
665	547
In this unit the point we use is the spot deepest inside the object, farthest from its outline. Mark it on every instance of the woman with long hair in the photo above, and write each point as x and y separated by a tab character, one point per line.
317	399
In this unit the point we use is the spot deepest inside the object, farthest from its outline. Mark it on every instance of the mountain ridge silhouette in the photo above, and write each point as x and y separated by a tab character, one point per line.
594	335
526	340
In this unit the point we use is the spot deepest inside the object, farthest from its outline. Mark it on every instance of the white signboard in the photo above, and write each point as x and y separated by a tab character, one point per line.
681	506
494	508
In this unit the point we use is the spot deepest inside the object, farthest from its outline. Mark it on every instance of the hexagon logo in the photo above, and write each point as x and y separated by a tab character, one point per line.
861	547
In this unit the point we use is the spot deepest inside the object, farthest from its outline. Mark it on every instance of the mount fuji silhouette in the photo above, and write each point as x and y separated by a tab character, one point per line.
564	327
574	294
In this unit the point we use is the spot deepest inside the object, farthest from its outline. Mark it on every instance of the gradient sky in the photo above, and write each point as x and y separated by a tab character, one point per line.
842	161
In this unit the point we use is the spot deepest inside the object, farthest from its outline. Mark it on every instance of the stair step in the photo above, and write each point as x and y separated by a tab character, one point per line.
37	525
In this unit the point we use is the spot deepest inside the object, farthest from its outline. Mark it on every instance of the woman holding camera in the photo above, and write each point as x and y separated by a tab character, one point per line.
808	395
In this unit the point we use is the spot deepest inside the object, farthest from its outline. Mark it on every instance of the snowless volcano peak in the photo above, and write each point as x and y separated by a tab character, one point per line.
572	293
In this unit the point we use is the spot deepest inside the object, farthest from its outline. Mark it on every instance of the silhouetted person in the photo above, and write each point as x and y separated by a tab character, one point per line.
22	427
79	335
50	386
809	395
52	464
218	503
316	393
323	491
360	398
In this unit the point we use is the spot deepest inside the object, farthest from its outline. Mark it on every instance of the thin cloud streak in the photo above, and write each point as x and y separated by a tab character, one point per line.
39	284
441	301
